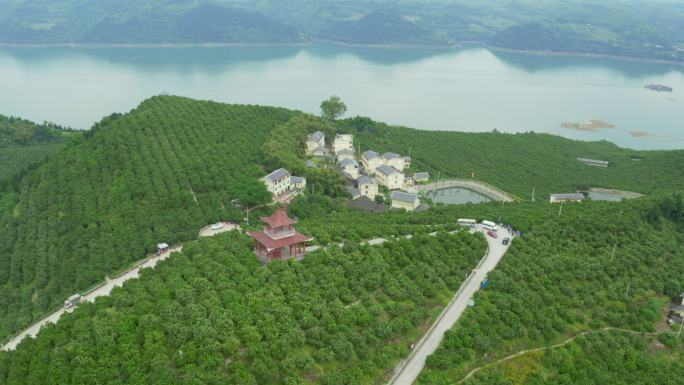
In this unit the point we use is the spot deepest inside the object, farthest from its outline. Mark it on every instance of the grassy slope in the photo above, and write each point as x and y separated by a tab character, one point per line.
518	162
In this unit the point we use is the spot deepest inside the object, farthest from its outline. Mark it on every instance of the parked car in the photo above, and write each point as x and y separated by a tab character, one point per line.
506	241
217	226
492	234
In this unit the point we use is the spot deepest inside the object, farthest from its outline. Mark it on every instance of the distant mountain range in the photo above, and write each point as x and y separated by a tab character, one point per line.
626	28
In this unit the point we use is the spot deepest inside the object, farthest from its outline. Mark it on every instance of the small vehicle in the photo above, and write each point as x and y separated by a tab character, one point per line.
506	241
492	234
72	301
217	226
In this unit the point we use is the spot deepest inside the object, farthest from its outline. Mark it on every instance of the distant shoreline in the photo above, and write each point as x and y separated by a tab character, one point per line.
635	59
463	44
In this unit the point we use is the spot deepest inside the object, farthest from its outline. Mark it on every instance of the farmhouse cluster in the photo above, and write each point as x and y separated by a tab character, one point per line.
370	170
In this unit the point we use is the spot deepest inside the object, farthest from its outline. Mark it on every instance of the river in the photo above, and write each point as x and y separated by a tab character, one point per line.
462	89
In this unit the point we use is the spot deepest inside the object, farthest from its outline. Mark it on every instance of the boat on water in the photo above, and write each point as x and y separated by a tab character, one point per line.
658	87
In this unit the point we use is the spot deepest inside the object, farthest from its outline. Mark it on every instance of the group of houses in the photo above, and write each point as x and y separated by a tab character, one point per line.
370	170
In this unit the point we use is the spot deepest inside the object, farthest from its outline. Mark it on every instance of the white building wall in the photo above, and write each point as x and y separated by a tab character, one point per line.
369	190
404	205
343	142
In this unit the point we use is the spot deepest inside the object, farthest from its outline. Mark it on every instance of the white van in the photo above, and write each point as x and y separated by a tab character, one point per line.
489	225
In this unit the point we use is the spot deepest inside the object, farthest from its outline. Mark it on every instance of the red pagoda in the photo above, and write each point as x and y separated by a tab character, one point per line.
279	240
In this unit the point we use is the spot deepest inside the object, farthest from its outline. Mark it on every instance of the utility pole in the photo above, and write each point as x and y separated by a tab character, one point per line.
613	255
532	194
560	210
681	325
628	285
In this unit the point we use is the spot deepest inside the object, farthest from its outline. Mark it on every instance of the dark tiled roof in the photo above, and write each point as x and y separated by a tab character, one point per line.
316	136
390	155
370	154
572	196
366	204
365	180
387	170
404	197
277	174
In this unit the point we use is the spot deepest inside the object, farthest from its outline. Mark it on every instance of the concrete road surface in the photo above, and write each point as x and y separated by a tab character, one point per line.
105	289
408	370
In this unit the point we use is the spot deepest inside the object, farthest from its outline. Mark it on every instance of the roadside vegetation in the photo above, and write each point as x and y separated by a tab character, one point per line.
213	315
561	279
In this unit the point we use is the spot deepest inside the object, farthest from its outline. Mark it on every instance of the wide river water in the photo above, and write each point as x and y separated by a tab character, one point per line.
466	89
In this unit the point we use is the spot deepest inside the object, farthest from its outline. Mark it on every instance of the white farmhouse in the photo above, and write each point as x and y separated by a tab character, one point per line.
371	160
277	182
345	154
421	177
389	177
343	142
393	160
407	162
404	200
350	168
280	182
367	187
297	182
314	142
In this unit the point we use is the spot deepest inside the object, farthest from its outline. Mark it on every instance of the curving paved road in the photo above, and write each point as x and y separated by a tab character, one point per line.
408	370
105	289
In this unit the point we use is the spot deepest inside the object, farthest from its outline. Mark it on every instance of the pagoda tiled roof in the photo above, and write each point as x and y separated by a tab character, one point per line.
273	244
278	219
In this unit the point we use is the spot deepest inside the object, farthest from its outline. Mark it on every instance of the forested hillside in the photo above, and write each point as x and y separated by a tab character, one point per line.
213	315
562	279
157	174
637	28
174	165
24	144
517	163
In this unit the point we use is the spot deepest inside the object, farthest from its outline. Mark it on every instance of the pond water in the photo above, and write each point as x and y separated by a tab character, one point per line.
456	89
457	196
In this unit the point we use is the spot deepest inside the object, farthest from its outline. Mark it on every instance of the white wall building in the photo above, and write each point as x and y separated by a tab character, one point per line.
280	182
350	168
367	187
342	142
389	177
393	160
404	200
277	182
371	160
315	141
297	182
345	154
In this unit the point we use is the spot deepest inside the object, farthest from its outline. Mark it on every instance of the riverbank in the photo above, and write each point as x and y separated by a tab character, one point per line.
590	55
